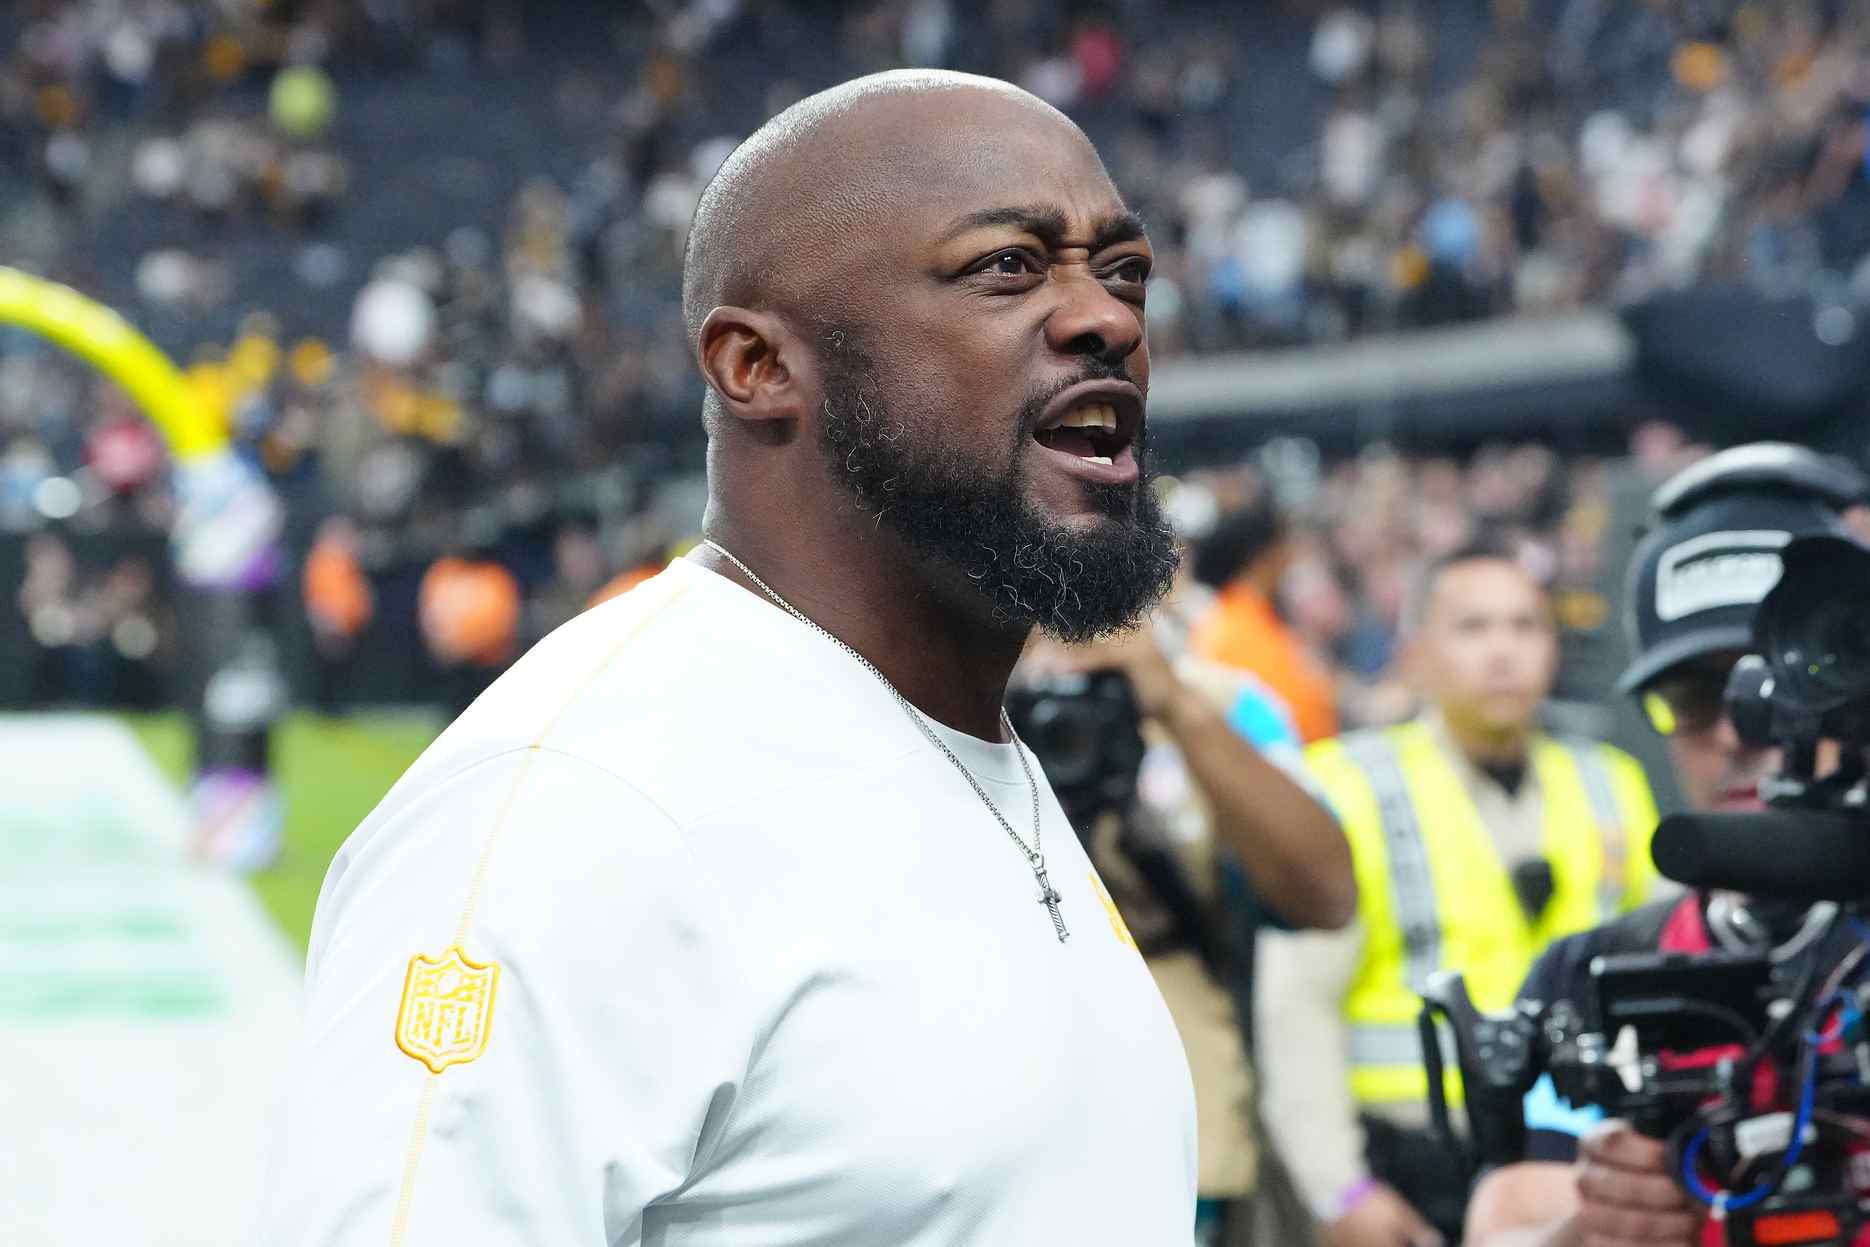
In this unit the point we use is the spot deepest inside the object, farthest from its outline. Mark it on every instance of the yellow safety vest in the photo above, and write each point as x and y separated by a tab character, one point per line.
1434	893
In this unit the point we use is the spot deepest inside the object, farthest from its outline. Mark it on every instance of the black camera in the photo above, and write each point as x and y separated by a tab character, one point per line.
1811	677
1086	731
1806	692
1755	1068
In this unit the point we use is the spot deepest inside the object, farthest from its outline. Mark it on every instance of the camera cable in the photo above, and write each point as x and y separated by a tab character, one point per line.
1722	1201
1793	1016
1810	1045
1687	1143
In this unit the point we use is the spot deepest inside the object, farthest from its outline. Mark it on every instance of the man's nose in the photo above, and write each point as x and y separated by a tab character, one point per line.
1092	321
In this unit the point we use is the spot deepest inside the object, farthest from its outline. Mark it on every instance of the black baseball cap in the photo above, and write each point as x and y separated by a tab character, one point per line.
1696	578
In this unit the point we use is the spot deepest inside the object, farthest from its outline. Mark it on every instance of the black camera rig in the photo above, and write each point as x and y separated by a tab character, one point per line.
1763	1129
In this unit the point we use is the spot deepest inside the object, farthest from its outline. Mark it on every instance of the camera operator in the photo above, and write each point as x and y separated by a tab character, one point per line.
1159	816
1696	580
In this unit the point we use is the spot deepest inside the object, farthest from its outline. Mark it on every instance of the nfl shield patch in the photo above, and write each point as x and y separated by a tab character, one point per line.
447	1009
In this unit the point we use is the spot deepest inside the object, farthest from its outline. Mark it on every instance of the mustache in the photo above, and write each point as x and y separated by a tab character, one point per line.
1033	409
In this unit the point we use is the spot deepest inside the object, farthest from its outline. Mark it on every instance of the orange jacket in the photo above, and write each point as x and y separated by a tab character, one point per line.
1242	630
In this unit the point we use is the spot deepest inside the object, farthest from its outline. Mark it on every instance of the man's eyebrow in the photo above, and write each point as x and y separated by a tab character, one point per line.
1050	225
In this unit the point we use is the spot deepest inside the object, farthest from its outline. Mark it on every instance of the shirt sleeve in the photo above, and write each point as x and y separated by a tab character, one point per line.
590	1078
1554	1125
1258	715
1301	980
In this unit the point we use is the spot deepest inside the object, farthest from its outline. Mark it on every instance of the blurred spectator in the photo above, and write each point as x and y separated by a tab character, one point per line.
339	603
623	582
1244	559
337	595
578	569
470	615
99	627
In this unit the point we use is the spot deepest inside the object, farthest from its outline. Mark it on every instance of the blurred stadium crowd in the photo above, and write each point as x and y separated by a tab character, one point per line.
425	256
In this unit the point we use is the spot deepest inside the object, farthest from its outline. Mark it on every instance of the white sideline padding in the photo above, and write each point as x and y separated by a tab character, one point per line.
148	1006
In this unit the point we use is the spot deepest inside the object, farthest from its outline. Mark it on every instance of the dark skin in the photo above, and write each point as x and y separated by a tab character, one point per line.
1006	261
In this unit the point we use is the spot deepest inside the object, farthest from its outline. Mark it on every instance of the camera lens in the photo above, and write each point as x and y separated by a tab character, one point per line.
1830	648
1814	627
1084	730
1067	740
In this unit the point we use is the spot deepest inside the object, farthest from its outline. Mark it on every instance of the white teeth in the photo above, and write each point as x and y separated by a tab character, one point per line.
1104	459
1091	416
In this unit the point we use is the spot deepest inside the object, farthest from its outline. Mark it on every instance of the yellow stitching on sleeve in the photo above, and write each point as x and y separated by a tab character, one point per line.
417	1134
486	857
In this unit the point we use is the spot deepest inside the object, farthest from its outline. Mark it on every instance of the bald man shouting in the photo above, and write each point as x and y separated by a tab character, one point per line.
734	914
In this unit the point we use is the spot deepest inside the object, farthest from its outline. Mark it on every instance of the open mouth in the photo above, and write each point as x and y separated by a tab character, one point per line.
1089	432
1094	427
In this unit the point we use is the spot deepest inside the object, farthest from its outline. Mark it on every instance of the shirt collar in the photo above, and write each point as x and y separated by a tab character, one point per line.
1472	777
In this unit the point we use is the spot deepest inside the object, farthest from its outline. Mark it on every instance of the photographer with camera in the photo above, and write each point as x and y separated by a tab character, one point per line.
1174	773
1696	580
1477	839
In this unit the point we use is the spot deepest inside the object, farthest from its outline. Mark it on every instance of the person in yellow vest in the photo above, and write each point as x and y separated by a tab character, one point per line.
1477	840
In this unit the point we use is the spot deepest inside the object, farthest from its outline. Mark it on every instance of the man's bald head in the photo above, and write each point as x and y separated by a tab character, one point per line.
824	172
895	288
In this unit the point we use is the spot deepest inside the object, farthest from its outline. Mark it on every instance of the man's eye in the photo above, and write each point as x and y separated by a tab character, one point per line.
1134	269
1009	264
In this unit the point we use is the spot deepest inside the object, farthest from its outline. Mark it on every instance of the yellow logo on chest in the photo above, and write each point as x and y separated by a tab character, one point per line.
1117	923
447	1009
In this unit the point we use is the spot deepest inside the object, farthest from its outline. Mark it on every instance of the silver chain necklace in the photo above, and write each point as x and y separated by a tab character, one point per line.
1048	895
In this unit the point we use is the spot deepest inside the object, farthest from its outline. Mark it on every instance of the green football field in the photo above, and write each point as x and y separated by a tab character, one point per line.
332	771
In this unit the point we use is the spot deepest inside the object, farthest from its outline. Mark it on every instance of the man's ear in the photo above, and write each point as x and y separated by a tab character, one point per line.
760	370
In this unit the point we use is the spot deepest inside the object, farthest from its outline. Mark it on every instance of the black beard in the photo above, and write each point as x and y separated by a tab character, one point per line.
1077	586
